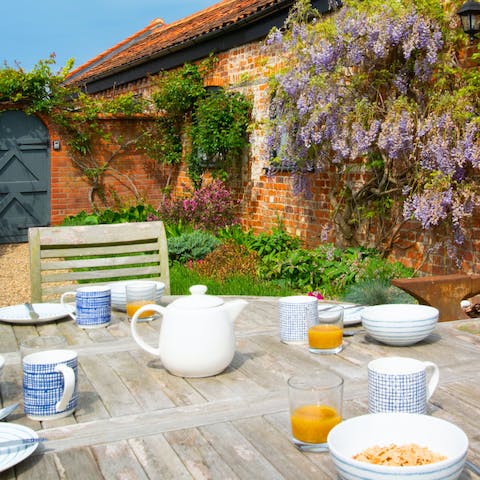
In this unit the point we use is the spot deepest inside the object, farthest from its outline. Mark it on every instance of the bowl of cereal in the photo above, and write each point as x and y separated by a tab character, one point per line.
383	446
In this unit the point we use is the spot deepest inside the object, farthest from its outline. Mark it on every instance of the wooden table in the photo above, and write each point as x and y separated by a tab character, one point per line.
136	421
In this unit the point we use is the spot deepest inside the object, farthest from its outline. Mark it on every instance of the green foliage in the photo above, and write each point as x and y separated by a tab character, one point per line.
218	132
178	90
237	234
214	126
175	229
191	246
39	90
273	243
125	104
375	267
164	141
376	291
328	269
138	213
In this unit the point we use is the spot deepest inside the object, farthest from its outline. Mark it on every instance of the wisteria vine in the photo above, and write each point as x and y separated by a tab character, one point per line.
380	83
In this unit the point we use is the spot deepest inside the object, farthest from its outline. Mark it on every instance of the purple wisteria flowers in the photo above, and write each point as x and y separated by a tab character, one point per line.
379	83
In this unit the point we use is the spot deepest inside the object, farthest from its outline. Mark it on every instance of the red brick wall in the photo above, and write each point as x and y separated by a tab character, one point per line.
132	177
266	201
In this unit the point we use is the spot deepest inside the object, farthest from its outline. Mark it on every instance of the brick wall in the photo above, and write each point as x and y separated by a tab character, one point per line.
266	201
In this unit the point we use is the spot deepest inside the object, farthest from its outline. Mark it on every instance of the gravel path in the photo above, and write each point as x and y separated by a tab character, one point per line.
14	274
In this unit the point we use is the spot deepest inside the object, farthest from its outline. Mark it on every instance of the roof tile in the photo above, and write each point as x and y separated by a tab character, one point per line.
152	40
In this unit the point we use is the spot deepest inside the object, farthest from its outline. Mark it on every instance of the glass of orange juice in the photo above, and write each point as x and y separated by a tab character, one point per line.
138	294
315	408
325	335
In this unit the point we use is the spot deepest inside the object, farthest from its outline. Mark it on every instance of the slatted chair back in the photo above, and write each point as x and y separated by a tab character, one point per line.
97	254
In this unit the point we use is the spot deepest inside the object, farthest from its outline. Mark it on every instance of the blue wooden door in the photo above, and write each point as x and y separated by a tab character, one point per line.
24	175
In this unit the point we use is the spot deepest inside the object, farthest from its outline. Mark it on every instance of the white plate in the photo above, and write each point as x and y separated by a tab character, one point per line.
14	455
47	312
351	315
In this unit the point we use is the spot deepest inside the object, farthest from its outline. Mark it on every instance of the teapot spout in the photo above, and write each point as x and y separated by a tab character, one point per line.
234	308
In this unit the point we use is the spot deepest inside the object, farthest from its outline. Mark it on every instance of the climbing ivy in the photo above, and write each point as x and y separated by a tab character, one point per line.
186	119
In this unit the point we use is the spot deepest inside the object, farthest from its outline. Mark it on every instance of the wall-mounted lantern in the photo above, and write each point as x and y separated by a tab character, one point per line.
470	15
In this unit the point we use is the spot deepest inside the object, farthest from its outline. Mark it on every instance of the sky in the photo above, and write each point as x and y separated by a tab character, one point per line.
33	29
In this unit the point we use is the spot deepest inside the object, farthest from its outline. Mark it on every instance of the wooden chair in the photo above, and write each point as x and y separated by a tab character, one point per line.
62	256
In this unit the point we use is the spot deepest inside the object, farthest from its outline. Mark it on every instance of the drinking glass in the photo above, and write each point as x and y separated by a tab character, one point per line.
325	334
39	344
138	294
315	408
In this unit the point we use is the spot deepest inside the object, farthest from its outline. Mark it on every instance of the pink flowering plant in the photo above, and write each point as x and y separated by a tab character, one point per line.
211	208
376	87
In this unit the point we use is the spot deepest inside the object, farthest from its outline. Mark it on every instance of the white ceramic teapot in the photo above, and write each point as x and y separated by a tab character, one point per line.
196	336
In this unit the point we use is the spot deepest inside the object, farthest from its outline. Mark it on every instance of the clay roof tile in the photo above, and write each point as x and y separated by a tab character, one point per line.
152	40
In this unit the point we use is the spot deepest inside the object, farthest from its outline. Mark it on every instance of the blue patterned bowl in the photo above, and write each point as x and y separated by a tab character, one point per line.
399	324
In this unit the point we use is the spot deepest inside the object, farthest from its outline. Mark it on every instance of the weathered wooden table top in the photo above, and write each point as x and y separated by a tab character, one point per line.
136	421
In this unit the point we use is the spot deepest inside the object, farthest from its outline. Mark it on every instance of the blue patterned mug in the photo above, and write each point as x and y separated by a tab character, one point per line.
50	384
399	384
93	306
295	315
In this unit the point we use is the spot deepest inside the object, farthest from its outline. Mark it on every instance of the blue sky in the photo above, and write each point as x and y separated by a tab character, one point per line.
33	29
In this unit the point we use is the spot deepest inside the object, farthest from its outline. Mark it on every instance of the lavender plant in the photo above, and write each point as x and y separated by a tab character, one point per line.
378	85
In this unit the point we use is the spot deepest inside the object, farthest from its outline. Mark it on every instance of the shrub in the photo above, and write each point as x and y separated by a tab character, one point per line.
376	291
328	269
138	213
236	234
210	208
191	246
229	259
277	241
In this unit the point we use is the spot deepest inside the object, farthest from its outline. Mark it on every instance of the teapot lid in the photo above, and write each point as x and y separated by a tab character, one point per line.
198	299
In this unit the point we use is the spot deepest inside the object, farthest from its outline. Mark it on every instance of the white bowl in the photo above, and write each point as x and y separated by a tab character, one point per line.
119	295
399	324
352	436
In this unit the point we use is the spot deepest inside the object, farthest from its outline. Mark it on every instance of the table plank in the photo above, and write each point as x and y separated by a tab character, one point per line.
115	396
276	448
36	467
245	459
117	460
200	458
137	377
156	455
80	464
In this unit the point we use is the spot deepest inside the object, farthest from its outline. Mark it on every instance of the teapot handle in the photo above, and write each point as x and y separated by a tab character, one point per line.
133	327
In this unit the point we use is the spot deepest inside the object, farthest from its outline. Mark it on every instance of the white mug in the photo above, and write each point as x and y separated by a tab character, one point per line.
399	384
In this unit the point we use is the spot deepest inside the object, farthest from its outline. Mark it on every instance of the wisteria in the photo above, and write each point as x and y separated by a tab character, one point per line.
378	81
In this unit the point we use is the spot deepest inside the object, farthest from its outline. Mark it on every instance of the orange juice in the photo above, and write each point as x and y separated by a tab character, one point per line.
312	423
132	307
325	336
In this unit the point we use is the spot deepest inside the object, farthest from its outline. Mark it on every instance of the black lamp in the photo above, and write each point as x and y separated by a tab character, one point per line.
470	15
